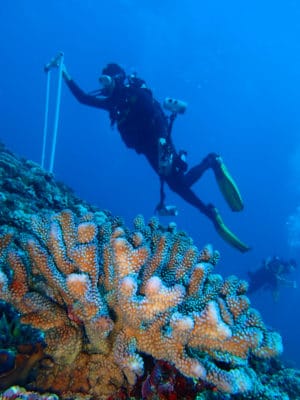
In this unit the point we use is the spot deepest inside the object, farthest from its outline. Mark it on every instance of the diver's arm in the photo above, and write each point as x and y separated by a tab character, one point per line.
85	98
81	96
286	282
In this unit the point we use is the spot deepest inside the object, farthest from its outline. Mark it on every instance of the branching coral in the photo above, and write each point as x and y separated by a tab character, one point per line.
105	295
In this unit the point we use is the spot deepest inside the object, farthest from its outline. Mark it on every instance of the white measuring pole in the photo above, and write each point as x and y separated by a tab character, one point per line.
54	63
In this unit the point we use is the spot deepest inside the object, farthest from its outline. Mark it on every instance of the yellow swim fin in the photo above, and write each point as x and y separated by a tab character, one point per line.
226	234
227	186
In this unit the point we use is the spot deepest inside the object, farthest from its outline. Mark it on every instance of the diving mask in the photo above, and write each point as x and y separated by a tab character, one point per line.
107	83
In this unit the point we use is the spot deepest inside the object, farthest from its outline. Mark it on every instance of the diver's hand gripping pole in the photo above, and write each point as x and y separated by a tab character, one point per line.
55	62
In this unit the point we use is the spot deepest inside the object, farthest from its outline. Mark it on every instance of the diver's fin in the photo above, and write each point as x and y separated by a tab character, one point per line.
227	186
227	235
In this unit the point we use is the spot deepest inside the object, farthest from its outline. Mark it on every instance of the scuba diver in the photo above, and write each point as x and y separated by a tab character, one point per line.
270	276
145	127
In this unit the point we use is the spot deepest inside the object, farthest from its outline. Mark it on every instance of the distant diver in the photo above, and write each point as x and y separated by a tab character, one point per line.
145	127
271	276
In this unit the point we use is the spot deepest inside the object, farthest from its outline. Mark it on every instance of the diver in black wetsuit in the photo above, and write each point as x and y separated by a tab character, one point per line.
271	275
145	127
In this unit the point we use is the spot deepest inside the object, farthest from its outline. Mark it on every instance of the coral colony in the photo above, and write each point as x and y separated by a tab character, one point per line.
107	298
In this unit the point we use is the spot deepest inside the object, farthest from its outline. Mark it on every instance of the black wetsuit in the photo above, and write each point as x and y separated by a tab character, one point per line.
269	275
141	122
262	278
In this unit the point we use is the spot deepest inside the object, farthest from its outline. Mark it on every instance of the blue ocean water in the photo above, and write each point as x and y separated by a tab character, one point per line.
237	64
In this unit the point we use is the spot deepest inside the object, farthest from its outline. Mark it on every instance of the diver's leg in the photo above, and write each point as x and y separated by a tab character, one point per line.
195	173
209	210
225	181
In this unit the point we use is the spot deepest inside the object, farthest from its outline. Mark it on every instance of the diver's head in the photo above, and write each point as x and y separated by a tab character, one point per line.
112	76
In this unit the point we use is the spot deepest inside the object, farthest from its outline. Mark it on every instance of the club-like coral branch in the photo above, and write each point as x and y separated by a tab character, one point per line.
105	296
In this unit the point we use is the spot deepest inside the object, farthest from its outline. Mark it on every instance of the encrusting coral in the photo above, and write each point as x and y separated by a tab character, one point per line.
105	296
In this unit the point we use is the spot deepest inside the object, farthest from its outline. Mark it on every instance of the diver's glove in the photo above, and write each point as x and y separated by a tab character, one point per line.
166	210
223	231
227	185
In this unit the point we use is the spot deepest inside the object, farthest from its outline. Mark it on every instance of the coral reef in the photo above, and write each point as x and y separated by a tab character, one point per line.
27	189
125	313
17	392
21	347
105	295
